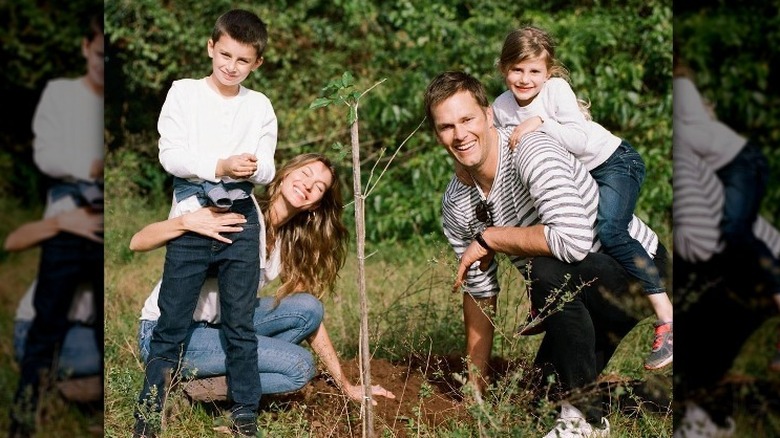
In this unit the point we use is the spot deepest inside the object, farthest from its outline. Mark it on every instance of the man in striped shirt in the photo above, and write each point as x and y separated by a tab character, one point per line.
720	294
535	203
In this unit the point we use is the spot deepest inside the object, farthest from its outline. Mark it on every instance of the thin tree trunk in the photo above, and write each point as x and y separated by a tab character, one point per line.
365	353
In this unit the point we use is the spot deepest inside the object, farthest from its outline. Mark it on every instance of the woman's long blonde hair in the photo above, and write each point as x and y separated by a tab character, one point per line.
531	42
313	244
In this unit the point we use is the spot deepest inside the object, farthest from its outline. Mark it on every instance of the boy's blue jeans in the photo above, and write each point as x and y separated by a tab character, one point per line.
66	260
188	259
284	366
619	180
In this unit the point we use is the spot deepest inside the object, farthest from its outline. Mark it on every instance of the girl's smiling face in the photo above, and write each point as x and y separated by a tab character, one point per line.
526	78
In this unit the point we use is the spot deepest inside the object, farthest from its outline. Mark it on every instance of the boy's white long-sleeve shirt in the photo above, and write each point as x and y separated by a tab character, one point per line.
557	105
197	127
696	131
68	129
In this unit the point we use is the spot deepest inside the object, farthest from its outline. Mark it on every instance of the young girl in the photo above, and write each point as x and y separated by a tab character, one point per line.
539	98
740	166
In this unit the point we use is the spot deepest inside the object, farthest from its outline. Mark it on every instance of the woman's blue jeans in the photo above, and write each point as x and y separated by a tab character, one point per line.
283	365
79	355
188	259
619	180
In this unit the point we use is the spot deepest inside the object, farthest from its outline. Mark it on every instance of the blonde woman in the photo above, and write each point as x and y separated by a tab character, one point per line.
304	243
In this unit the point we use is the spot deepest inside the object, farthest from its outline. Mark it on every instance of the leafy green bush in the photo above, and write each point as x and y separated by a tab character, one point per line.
736	70
619	57
41	40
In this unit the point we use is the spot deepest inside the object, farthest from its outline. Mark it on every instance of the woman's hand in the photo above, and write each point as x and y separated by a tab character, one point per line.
210	222
321	344
355	392
82	222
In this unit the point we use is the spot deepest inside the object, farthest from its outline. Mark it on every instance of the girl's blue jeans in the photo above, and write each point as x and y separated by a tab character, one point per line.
619	180
745	180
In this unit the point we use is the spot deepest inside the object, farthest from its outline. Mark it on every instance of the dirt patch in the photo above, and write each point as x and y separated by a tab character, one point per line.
426	397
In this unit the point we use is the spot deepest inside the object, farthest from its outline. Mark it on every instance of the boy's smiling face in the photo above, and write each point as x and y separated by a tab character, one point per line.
94	54
231	61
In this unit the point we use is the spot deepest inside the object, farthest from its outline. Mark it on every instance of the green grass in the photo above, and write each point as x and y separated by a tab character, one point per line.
412	313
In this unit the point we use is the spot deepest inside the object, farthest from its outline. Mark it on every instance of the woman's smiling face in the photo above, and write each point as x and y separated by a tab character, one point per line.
304	187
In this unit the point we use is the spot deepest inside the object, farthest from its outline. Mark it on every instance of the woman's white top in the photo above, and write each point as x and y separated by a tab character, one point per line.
81	308
207	308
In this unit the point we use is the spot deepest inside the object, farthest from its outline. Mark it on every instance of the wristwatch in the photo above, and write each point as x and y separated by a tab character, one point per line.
481	241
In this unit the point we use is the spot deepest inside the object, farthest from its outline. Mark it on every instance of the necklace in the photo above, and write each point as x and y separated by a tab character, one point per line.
479	188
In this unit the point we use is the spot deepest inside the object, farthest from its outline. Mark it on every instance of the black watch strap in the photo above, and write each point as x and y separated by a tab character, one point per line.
481	241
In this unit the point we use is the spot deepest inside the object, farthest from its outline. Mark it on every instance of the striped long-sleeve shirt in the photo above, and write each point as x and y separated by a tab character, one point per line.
698	209
539	182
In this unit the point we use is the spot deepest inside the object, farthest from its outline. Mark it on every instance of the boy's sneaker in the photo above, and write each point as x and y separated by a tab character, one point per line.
661	354
571	423
245	425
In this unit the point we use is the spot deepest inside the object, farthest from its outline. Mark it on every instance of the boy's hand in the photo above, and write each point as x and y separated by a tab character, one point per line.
96	170
237	166
529	125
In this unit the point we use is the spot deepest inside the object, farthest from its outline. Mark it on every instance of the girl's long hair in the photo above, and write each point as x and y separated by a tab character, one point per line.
531	42
313	244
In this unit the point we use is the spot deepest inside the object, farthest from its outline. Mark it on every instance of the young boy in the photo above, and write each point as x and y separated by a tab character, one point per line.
68	149
217	138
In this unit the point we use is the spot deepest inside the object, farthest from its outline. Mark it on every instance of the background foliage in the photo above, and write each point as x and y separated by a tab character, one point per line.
733	49
39	40
619	57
